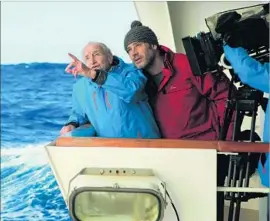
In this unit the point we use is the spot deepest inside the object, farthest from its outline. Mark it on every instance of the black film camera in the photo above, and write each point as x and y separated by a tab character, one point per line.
245	27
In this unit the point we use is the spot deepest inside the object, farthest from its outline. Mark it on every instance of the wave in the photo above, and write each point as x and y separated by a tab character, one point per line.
29	190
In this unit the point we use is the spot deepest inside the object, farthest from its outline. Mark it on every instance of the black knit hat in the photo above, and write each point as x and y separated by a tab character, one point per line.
140	33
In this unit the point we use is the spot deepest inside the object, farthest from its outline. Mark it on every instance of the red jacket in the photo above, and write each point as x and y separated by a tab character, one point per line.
188	106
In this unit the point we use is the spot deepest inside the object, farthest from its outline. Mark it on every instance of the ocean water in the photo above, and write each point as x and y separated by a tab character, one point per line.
35	103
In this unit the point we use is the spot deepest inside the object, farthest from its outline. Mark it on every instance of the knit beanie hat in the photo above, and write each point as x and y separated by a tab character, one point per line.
140	33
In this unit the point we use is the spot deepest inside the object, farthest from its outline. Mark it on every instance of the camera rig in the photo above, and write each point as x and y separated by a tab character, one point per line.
248	28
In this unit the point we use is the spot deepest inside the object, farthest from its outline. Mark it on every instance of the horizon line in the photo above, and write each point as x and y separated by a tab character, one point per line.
34	62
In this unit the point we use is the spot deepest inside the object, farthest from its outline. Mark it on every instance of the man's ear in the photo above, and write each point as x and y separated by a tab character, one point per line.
153	47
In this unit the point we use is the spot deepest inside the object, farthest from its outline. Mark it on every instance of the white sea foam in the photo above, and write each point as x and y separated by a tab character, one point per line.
29	155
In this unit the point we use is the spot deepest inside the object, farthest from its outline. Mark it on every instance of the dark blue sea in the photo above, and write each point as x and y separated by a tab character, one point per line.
35	103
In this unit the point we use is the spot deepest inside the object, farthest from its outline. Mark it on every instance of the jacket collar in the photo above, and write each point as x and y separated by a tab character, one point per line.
168	70
168	56
115	63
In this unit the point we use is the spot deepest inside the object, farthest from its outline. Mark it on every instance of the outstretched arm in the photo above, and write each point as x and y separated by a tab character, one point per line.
249	70
128	86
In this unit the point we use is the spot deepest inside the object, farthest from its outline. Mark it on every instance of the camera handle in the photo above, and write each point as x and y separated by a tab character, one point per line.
223	62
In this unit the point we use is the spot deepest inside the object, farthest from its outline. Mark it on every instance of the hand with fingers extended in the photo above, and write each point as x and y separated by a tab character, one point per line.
77	67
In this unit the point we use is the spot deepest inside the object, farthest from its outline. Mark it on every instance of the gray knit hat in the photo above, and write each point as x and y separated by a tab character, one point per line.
140	33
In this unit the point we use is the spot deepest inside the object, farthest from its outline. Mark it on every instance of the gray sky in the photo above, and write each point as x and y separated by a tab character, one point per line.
47	31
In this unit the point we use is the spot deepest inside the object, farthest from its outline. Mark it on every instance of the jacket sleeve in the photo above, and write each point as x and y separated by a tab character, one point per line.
250	71
77	116
216	89
128	86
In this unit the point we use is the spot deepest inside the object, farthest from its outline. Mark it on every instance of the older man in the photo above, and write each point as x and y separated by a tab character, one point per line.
110	95
185	106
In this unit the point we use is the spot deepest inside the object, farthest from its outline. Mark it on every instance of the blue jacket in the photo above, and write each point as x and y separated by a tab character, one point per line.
256	75
119	108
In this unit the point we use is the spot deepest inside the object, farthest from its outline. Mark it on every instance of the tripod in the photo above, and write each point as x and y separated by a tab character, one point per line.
242	166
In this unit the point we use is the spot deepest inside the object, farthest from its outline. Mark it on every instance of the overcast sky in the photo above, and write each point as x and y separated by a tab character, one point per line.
47	31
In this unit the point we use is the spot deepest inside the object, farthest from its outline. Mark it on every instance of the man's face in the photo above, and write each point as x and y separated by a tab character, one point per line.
141	54
96	58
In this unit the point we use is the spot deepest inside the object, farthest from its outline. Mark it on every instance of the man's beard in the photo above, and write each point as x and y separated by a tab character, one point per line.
149	63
